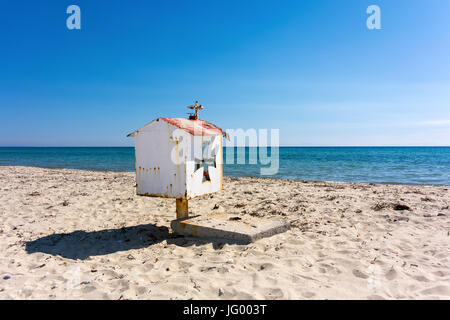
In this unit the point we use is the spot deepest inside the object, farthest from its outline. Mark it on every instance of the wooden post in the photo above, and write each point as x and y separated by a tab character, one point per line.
182	208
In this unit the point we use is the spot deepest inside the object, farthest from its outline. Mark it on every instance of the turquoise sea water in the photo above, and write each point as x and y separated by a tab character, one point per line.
409	165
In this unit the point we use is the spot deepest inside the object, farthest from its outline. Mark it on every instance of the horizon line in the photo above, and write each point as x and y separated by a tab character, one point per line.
283	146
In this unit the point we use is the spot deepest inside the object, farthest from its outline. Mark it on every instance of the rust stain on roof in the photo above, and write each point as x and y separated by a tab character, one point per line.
195	127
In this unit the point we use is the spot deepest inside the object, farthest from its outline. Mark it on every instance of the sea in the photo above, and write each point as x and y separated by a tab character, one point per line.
387	165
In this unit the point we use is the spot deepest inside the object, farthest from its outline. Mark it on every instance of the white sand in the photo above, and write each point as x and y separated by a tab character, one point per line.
104	242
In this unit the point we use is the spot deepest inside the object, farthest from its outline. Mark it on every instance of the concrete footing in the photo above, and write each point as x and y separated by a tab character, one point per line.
227	227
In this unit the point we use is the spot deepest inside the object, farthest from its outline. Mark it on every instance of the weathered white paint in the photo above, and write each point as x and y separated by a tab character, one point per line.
165	161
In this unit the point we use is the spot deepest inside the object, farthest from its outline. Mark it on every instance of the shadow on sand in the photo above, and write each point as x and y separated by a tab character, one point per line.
81	244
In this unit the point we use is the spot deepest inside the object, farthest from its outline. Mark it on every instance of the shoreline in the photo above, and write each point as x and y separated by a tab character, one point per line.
76	234
255	177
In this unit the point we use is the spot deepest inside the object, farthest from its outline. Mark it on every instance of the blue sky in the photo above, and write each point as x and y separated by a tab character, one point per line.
310	68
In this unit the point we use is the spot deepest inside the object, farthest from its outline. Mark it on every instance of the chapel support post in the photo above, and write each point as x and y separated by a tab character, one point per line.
182	208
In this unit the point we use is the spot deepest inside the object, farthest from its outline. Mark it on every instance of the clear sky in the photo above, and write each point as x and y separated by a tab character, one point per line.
310	68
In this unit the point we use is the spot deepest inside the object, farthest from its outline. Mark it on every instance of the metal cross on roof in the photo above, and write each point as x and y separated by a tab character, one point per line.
196	107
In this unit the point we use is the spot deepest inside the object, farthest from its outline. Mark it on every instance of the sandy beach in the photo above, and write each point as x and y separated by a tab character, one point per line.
70	234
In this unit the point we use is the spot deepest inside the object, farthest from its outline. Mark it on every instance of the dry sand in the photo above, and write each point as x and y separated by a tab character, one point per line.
67	234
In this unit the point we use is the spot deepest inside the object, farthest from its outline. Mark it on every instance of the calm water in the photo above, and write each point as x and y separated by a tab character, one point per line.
411	165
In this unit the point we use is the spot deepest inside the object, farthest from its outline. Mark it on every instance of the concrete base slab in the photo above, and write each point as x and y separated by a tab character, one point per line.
224	226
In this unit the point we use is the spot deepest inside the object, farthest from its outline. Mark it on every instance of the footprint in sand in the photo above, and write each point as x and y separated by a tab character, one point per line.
439	274
420	278
391	274
437	290
273	293
359	274
308	294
